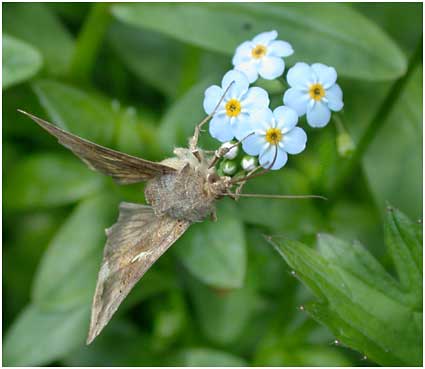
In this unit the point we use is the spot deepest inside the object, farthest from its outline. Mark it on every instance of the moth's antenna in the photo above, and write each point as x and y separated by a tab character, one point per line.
266	196
194	140
246	178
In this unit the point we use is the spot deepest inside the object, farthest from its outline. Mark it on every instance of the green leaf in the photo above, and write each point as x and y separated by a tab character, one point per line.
396	175
179	121
364	306
121	344
207	357
223	314
66	276
46	180
37	25
92	120
20	61
294	216
147	55
214	252
355	46
39	337
405	248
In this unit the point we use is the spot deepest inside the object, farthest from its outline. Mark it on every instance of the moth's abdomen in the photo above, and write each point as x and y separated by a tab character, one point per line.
181	195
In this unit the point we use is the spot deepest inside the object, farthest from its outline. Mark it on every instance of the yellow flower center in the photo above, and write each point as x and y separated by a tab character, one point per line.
317	92
274	136
233	108
258	51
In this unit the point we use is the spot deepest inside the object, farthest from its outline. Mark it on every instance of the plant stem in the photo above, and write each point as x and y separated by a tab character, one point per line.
377	122
89	41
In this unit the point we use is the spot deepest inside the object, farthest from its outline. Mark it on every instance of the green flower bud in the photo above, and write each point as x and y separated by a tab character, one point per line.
229	167
345	144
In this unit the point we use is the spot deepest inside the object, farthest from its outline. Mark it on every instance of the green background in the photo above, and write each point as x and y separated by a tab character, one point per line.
132	77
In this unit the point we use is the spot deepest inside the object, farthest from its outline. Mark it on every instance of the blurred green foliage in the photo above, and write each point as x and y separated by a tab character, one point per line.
131	77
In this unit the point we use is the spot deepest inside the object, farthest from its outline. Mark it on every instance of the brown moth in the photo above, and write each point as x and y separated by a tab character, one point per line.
180	191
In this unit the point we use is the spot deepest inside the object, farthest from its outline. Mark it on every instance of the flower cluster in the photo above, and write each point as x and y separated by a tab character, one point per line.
243	112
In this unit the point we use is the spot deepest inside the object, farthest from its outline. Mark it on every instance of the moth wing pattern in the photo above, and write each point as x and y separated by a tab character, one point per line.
123	168
134	243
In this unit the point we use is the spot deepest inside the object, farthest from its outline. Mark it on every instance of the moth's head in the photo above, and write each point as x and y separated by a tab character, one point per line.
218	185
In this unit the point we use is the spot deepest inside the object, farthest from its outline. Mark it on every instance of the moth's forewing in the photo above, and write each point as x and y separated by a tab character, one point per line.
134	243
123	168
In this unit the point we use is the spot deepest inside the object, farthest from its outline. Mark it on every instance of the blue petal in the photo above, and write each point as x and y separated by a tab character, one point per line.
294	141
254	144
255	98
264	38
279	48
240	85
297	100
242	126
271	67
243	53
301	76
286	118
249	68
319	115
262	119
325	75
220	128
334	96
267	156
212	97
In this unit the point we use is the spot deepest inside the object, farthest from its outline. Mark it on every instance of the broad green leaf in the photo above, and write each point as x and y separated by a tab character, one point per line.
405	248
301	355
23	251
344	38
151	57
292	216
405	16
178	123
20	61
207	357
170	320
77	111
224	314
47	180
214	252
396	175
67	273
35	24
121	344
39	337
363	306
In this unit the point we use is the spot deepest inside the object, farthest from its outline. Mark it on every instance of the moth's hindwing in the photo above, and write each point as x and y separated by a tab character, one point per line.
123	168
134	243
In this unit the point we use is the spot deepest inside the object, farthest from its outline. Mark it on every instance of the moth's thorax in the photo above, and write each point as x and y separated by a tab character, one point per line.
189	193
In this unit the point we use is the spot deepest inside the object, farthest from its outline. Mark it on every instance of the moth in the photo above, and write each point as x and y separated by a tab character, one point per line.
179	191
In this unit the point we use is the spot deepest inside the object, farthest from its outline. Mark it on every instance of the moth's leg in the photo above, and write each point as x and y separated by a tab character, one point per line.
218	154
231	195
193	141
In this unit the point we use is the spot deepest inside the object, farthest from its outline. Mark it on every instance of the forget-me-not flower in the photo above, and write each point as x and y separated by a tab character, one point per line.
313	92
262	56
232	118
275	131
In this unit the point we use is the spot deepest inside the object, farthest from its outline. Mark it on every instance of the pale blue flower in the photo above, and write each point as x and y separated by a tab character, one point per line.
262	56
275	131
313	92
232	118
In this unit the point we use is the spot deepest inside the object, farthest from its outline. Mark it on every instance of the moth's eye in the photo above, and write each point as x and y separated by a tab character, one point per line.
213	178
